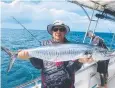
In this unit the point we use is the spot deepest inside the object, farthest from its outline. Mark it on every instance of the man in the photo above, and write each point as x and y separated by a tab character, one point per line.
102	65
56	74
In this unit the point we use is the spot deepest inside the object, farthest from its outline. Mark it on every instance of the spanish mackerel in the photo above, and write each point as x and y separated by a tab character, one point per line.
64	52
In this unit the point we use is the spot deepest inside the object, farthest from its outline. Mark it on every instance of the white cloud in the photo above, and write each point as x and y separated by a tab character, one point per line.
38	16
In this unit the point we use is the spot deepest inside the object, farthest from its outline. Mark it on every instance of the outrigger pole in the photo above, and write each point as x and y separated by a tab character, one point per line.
94	29
90	25
26	29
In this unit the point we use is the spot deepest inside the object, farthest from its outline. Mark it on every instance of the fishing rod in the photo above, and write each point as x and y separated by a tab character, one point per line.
26	29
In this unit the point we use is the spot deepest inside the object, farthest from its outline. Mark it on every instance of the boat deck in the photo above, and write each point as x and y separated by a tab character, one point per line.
111	83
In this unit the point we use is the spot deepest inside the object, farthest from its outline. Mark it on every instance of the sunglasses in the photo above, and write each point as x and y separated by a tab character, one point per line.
62	29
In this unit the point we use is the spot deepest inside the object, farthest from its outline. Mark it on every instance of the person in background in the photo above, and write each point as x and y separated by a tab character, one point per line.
102	65
56	74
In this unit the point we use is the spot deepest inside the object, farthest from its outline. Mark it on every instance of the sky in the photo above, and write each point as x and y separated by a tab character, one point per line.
37	14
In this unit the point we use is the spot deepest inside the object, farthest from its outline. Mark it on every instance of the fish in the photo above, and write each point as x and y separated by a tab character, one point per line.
63	52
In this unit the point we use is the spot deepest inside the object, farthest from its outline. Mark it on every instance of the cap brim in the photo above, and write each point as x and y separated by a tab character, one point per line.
49	28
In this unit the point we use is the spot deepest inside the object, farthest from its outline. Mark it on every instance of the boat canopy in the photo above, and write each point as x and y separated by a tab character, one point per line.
106	6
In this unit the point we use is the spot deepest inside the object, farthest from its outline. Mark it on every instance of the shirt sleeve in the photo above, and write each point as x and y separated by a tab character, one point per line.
102	44
36	62
99	42
96	40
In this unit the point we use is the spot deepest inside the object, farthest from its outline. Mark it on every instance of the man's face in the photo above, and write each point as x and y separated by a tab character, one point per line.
90	34
58	33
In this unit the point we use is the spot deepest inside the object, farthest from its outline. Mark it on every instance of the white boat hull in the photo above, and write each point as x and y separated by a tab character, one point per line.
87	77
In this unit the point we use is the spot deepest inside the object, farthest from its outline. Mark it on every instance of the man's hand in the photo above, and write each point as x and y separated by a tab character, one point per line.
23	54
90	60
83	60
86	59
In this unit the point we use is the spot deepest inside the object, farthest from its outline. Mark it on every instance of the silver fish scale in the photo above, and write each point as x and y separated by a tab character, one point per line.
59	52
66	52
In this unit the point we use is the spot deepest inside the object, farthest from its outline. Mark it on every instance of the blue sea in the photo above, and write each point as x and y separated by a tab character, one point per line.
17	39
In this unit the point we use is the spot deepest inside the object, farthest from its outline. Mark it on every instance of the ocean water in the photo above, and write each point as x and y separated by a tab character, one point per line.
23	71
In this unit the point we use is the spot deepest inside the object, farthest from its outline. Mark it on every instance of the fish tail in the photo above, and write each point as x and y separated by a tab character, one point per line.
12	55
